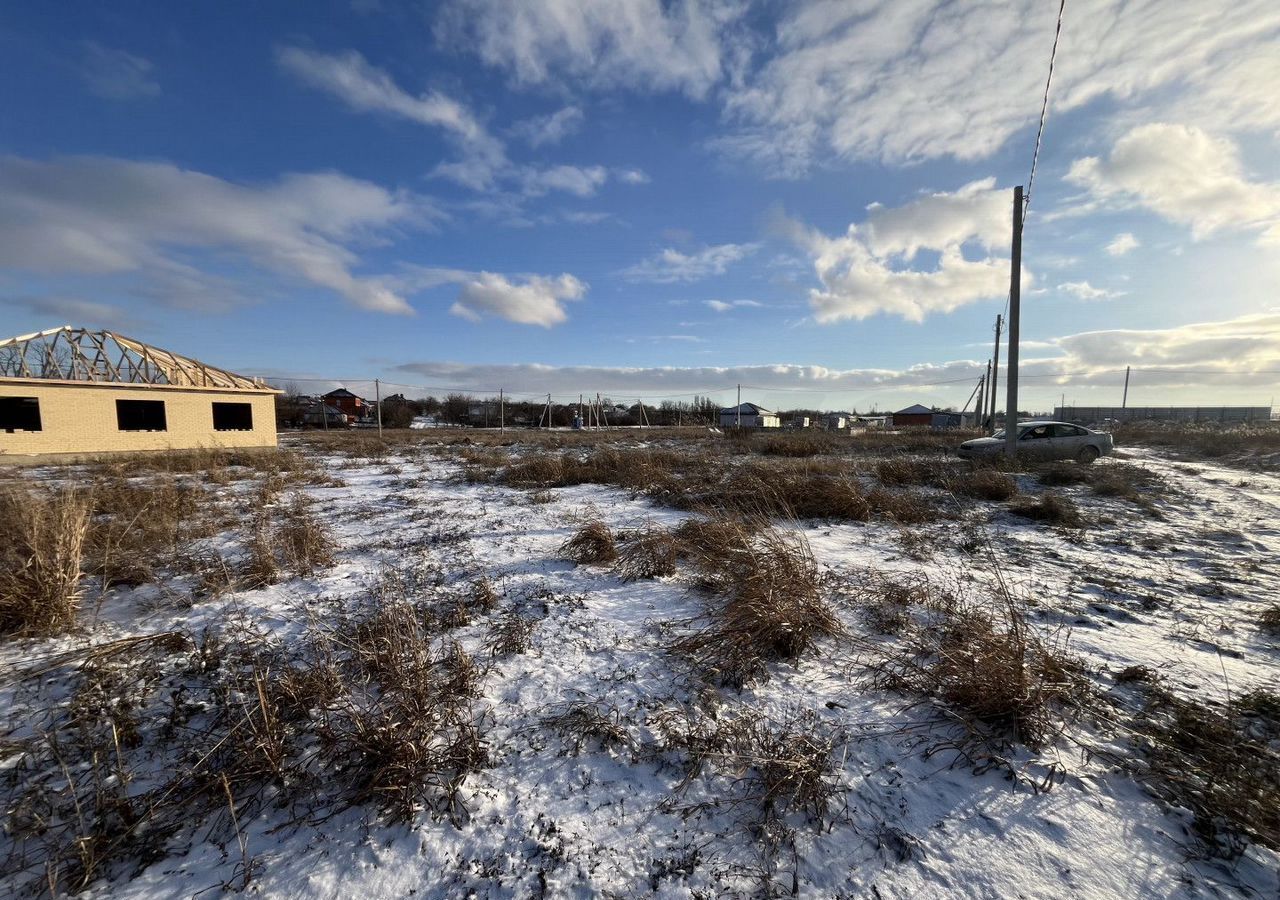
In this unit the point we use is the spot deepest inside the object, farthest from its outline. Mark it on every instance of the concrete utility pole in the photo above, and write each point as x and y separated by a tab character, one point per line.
1015	316
980	411
377	402
502	412
995	373
739	407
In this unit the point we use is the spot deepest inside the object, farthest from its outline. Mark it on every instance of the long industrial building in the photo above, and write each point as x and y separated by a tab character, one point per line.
1230	415
74	392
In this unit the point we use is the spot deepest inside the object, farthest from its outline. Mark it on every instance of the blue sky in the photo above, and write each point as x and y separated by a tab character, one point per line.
653	199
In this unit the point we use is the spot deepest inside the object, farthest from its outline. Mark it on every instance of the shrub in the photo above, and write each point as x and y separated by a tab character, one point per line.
42	537
592	543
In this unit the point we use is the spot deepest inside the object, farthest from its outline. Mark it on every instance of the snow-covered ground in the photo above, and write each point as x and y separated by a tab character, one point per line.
1180	593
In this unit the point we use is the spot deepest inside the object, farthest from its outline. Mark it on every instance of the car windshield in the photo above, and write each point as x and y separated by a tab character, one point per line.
999	434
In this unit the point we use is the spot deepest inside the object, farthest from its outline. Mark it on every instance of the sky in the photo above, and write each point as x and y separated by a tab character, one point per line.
652	199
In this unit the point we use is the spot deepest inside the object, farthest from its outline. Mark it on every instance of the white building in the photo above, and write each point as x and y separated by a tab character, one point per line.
749	415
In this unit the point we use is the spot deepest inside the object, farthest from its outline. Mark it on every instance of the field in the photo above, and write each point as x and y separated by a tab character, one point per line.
635	664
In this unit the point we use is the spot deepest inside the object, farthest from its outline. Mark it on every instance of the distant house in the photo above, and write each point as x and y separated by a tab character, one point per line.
798	422
348	404
749	415
913	417
835	421
946	420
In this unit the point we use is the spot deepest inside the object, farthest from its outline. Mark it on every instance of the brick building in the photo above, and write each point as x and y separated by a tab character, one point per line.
73	392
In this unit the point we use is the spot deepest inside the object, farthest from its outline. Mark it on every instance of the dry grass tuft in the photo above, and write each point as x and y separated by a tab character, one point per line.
42	537
304	542
592	543
1052	508
585	722
773	767
648	553
812	443
992	671
1222	764
1062	474
511	634
770	606
985	484
1269	620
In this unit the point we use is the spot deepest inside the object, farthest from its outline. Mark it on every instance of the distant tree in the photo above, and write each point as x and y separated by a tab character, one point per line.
456	408
290	406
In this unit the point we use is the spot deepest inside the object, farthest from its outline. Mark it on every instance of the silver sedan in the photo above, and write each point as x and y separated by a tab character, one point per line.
1044	441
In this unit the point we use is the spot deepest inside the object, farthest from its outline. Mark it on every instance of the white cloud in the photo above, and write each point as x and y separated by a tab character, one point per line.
115	74
1191	360
721	306
1122	243
549	129
649	44
581	181
60	310
910	81
484	161
366	88
1083	290
1231	348
869	269
1185	175
633	176
535	301
101	216
671	265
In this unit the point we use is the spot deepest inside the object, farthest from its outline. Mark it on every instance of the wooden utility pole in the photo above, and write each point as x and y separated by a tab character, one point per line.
738	409
502	411
377	402
1124	403
995	373
1015	316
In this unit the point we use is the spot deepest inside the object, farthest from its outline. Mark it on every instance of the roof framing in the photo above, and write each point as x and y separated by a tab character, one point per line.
77	354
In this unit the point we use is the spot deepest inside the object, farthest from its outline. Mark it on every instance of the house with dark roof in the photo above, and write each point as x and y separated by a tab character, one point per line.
749	415
916	416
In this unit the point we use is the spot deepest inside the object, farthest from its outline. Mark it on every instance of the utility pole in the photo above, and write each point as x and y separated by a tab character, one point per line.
502	412
738	409
995	373
977	390
1015	317
1124	403
980	410
377	401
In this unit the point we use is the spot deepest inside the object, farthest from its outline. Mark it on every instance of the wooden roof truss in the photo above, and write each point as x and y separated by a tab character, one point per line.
77	354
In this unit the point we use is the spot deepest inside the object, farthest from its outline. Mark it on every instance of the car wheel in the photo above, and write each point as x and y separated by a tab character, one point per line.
1087	455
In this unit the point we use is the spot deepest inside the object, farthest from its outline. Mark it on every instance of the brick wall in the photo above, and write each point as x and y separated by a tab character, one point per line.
80	418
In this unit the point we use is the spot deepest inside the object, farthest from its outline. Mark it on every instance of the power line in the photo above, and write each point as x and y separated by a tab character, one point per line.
1044	111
